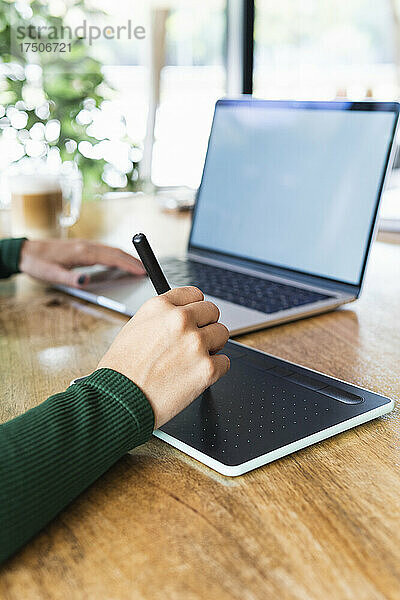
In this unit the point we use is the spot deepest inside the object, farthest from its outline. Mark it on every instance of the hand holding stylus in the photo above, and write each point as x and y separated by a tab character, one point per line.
168	349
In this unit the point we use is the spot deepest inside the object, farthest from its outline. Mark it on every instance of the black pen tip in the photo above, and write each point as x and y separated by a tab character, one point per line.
138	238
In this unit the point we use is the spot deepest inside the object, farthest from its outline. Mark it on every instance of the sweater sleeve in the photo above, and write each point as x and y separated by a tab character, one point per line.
10	250
53	452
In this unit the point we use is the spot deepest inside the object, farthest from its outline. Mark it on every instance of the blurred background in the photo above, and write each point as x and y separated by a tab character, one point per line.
135	115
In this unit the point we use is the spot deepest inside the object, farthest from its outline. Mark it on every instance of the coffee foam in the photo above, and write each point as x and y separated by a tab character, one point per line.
34	184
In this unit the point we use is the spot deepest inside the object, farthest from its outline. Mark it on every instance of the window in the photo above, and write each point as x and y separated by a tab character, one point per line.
326	48
192	80
190	41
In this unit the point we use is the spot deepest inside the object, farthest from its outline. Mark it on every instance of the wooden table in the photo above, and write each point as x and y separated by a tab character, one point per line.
321	524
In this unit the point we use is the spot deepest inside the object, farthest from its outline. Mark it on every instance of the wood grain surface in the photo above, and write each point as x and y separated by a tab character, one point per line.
321	524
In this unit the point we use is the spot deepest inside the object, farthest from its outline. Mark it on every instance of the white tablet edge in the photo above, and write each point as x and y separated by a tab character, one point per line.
254	463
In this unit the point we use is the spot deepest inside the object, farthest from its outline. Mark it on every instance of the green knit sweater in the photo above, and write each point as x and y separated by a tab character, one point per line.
53	452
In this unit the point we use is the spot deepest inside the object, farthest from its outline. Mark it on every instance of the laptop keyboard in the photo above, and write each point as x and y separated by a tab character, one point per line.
260	294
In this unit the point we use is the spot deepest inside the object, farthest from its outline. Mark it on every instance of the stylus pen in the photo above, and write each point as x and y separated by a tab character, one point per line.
150	263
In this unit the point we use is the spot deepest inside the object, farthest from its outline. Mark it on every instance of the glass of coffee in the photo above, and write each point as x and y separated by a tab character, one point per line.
43	204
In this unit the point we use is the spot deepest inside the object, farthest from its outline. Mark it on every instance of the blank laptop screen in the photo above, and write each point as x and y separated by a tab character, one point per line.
293	187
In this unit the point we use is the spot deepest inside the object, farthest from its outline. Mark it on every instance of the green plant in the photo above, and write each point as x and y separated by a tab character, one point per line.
48	105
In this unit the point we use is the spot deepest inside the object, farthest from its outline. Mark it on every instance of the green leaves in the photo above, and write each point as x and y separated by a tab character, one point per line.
64	82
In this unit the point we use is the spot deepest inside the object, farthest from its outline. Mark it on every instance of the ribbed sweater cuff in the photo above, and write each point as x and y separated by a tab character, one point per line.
10	250
122	390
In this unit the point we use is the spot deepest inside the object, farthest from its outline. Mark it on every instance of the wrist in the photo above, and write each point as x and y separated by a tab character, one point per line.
23	255
135	380
122	390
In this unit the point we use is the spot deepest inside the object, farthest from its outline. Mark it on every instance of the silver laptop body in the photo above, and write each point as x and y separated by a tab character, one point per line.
285	214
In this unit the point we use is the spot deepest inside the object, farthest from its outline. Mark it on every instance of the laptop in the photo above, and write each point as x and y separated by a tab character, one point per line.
285	213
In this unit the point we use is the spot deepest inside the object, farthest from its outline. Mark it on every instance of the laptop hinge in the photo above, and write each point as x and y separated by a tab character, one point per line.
270	272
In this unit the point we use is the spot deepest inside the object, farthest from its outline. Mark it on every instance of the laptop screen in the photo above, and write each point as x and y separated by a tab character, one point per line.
294	185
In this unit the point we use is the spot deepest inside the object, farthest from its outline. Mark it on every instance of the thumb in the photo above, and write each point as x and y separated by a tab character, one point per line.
63	276
53	273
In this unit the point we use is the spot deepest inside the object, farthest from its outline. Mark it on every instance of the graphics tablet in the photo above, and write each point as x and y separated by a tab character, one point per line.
264	409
